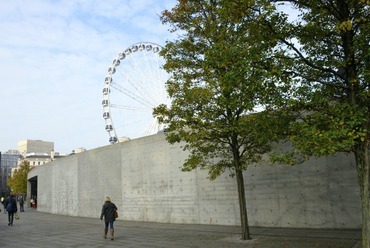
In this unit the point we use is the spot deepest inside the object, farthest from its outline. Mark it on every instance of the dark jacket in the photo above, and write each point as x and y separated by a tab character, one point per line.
14	205
108	212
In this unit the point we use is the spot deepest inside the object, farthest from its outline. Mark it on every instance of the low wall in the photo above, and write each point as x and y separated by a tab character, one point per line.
143	179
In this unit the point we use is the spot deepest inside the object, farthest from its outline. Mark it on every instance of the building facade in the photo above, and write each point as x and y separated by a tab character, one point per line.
37	152
9	161
40	146
144	179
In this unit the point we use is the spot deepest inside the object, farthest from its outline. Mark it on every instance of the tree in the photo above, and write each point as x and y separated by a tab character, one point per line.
219	72
329	45
18	181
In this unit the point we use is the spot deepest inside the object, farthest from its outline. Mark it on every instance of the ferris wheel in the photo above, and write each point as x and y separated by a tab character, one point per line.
134	85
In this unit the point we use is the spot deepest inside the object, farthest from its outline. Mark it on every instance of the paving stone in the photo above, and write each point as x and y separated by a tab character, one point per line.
37	229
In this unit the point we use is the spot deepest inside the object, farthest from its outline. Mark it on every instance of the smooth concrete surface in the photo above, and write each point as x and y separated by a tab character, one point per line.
43	230
144	179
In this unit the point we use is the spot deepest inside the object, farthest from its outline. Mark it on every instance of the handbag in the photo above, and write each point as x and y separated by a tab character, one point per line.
16	215
115	214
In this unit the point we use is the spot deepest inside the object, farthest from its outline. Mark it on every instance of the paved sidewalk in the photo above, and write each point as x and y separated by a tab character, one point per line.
36	229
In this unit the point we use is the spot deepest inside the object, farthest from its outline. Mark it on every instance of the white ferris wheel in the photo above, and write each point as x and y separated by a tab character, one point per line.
134	85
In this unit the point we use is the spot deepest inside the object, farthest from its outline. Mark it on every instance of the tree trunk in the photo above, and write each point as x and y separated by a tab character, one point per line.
366	202
242	205
366	222
363	170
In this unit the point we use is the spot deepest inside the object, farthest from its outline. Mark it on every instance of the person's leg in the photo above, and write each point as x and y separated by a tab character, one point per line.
111	230
11	218
105	229
8	218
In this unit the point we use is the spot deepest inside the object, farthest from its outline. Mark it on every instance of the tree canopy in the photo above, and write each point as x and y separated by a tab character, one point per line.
329	45
18	181
219	77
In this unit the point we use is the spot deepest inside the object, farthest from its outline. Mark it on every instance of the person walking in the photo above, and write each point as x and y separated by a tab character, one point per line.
32	201
3	203
21	204
11	207
108	212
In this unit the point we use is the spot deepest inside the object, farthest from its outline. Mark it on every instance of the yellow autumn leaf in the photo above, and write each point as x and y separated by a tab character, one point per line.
345	26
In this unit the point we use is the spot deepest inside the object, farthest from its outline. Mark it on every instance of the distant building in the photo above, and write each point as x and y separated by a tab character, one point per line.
8	161
37	152
40	146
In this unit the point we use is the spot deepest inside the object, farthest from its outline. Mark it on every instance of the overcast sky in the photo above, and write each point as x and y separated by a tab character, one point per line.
54	57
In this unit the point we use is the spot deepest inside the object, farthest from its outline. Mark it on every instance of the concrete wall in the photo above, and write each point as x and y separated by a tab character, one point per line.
143	179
